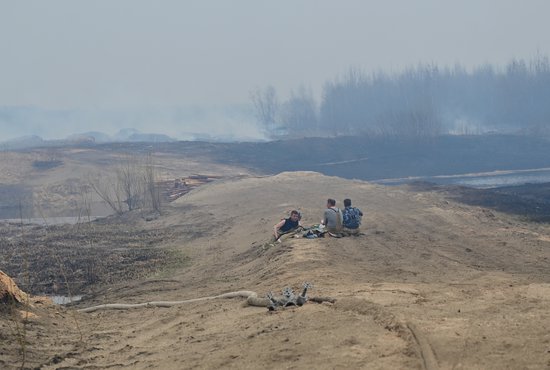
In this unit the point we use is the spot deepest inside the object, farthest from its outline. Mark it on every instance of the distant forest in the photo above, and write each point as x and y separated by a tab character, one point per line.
421	101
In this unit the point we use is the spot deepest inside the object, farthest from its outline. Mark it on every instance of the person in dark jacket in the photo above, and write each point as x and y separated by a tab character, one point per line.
287	225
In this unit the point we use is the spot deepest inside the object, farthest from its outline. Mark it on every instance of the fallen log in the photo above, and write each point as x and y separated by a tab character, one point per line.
252	299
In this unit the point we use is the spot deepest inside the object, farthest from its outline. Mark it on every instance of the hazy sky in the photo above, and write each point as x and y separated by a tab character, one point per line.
123	54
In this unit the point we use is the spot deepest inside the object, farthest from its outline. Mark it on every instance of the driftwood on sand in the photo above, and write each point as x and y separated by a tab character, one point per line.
252	299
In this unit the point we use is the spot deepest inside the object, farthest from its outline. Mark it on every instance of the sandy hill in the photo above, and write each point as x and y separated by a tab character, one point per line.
431	284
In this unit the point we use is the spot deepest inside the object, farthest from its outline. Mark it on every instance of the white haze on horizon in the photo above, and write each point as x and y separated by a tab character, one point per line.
230	123
106	65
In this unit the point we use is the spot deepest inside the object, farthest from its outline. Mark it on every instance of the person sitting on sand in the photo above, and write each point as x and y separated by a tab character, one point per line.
287	225
352	218
332	219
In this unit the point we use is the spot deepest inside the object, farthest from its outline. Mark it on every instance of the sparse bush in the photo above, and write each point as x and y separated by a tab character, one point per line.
133	186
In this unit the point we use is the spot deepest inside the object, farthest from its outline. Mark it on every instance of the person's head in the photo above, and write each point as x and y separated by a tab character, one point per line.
347	202
331	203
295	215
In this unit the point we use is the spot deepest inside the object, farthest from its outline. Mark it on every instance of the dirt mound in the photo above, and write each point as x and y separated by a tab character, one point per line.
9	292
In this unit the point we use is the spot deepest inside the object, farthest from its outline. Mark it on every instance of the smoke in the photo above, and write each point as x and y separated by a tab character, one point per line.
216	123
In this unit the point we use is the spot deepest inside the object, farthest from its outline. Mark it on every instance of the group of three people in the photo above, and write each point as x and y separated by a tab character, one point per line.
336	221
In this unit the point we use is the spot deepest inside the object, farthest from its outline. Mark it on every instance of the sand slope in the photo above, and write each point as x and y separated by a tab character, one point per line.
432	284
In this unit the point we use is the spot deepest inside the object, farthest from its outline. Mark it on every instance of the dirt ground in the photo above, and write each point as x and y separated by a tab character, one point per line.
432	284
64	190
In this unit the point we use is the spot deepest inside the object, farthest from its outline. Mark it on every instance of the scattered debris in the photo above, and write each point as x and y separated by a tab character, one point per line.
172	190
288	298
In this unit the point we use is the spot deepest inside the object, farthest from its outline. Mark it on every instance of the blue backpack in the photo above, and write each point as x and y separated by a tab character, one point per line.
352	218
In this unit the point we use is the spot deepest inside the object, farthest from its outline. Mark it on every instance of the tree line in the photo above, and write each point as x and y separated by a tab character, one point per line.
421	101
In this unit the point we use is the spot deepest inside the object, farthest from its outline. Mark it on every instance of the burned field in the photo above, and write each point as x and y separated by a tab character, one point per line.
78	259
530	202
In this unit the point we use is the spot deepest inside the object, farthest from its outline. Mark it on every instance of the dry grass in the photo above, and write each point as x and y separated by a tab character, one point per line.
75	258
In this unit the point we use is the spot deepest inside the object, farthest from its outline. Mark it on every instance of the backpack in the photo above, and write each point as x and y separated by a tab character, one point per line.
352	218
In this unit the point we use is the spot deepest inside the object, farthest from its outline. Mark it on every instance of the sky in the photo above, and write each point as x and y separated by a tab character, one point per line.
117	56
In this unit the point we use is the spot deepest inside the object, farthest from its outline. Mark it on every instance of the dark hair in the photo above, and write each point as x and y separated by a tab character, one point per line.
332	202
347	202
295	212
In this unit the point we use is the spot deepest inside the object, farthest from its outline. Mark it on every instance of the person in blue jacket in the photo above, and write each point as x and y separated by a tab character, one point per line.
352	218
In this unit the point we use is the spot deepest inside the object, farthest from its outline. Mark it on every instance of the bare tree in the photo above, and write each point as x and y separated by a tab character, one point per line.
299	113
107	189
152	191
131	182
266	107
133	186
